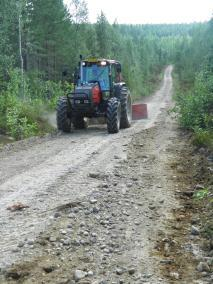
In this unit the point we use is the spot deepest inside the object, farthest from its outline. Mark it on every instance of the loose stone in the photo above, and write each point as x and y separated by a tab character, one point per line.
79	274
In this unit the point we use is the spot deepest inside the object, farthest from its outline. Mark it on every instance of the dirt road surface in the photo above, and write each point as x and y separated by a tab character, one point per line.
96	203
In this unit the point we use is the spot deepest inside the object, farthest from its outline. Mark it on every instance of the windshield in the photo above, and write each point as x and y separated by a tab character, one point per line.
97	73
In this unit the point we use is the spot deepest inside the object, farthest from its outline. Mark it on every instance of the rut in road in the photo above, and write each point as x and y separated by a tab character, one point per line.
49	173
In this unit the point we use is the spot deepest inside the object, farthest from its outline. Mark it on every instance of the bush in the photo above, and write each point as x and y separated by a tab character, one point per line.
19	126
53	92
3	108
203	137
195	107
21	115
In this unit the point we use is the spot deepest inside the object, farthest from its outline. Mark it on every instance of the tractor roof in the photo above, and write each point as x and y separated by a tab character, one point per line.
97	60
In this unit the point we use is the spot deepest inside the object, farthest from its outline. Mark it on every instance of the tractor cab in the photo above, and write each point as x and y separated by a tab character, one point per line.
96	72
102	71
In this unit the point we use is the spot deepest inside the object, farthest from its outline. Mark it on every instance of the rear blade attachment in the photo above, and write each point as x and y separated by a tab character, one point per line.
139	111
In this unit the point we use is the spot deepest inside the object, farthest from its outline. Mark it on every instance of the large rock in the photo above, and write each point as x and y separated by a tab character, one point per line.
79	274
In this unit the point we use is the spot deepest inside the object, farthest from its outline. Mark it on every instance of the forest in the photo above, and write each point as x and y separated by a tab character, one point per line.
41	39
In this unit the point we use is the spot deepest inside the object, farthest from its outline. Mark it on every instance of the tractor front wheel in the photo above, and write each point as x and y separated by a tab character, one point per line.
63	116
113	115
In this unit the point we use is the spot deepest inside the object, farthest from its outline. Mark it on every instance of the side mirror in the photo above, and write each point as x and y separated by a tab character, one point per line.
118	68
64	73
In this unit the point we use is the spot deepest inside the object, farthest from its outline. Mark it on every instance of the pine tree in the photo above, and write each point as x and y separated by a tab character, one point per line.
102	30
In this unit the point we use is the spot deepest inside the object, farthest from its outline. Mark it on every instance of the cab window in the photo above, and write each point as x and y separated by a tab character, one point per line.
98	73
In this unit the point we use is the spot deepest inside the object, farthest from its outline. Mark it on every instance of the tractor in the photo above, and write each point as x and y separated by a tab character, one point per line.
99	91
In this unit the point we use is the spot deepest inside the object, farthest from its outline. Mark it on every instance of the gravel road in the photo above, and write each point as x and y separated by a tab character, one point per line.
95	202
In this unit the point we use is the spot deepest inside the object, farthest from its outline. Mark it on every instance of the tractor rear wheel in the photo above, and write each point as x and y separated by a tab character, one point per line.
126	108
79	122
113	115
63	117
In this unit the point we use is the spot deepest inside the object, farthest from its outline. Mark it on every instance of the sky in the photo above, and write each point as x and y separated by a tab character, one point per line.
151	11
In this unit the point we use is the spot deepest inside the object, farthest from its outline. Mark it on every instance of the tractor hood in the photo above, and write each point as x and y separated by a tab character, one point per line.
89	94
86	88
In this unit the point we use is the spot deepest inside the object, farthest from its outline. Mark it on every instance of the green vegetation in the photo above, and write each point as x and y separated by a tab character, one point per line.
22	118
201	194
203	199
193	60
40	39
194	68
